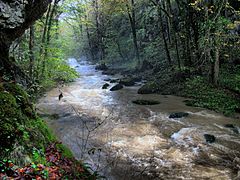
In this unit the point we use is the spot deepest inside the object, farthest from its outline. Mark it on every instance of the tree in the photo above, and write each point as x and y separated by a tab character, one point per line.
13	25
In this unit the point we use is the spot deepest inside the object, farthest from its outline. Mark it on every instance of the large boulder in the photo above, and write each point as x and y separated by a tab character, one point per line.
149	88
116	87
108	72
178	115
145	102
101	67
127	81
108	79
114	80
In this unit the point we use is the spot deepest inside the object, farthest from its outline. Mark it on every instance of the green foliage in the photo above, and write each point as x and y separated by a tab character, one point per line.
230	78
207	96
65	151
10	117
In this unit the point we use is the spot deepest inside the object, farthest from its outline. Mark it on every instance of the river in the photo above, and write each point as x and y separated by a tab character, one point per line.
125	141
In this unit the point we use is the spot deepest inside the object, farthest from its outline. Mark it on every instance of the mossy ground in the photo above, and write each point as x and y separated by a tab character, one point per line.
24	137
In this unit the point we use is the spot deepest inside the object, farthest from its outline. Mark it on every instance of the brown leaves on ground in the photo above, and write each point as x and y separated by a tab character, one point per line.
58	167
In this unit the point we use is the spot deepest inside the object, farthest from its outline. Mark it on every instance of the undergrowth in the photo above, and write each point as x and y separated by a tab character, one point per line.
208	96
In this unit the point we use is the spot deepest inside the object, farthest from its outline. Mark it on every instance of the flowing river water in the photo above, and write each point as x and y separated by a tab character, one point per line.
126	141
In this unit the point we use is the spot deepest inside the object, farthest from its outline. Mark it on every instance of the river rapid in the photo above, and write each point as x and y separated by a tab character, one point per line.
125	141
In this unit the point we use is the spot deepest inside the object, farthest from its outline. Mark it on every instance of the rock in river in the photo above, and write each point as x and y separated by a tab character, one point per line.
149	88
113	80
127	81
108	79
209	138
232	127
178	115
105	86
145	102
101	67
116	87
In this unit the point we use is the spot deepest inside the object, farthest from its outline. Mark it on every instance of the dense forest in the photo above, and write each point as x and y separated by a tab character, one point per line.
186	48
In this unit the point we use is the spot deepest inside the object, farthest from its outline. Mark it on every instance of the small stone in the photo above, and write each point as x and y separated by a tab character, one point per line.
178	115
145	102
105	86
209	138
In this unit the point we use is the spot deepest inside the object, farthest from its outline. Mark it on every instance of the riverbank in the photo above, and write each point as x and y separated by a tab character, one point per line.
224	99
28	147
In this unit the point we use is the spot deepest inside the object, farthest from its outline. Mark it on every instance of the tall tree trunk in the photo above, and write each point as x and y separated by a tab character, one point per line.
119	50
43	44
31	52
89	39
99	30
163	35
177	51
175	33
48	35
132	19
216	67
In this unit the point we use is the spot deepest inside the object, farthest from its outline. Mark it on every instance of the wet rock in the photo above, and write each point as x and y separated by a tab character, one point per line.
101	67
149	88
116	87
145	102
209	138
127	82
178	115
108	72
232	127
108	79
114	81
105	86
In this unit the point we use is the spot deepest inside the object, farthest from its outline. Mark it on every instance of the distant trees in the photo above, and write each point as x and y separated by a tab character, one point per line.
191	36
186	34
34	54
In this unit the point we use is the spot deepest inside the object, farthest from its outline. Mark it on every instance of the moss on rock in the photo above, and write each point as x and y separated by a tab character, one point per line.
10	118
149	88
